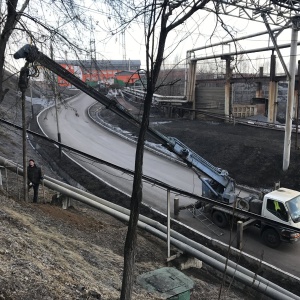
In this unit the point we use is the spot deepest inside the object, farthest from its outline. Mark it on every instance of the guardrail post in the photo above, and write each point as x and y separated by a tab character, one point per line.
239	238
43	187
6	178
176	206
1	184
19	194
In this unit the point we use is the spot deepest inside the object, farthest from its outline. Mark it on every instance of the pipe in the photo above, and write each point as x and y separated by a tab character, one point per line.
242	52
210	257
173	233
239	39
249	281
222	259
253	281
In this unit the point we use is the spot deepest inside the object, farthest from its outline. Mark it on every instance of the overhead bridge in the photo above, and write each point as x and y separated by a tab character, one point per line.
156	98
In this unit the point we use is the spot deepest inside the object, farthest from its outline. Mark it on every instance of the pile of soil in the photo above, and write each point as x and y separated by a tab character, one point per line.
253	156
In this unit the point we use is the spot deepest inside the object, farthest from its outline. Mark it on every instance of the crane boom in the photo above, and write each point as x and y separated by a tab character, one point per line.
219	185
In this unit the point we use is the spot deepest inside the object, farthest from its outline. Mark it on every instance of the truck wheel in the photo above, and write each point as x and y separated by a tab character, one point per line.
271	238
220	219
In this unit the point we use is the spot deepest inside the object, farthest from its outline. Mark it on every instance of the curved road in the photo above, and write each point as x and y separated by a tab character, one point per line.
80	132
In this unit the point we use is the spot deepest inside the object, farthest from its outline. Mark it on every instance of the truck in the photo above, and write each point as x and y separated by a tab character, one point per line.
276	213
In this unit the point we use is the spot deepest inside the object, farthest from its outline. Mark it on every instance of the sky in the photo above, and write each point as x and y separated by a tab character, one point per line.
198	31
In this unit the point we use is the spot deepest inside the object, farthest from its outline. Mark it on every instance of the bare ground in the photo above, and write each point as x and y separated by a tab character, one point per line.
50	253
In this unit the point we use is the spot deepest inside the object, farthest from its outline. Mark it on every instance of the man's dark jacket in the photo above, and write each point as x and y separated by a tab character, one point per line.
34	174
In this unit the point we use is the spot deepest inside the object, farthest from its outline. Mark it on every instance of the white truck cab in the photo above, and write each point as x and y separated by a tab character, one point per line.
281	205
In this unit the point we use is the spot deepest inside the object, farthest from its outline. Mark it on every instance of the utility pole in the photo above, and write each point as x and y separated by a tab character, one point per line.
291	94
31	99
23	84
297	111
55	100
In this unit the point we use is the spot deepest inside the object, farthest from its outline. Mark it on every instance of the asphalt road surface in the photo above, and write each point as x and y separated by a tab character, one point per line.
80	132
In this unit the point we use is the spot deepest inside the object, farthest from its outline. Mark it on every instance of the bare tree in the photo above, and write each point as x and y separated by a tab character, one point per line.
159	18
16	25
17	21
10	21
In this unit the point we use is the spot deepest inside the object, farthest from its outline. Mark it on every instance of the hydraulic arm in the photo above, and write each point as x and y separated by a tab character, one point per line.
219	185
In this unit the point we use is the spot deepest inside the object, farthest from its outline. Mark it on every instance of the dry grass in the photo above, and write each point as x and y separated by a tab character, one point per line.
50	253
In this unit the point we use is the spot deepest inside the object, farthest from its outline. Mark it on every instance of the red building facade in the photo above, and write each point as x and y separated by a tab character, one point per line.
98	72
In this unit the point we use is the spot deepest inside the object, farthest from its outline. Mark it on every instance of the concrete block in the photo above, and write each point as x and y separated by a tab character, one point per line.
190	262
184	262
66	202
61	200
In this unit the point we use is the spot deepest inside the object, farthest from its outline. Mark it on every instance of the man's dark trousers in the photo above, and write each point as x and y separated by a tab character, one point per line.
35	192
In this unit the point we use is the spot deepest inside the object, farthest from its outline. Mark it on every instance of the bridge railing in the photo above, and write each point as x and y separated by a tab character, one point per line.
156	98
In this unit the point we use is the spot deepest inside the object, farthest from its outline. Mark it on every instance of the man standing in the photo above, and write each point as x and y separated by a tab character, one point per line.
34	175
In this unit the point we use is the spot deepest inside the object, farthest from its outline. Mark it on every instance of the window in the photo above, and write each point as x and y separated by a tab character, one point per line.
277	209
294	209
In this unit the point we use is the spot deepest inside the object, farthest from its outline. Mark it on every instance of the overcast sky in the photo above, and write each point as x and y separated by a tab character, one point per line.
201	29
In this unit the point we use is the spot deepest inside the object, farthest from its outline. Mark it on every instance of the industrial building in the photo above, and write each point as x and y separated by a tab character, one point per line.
100	71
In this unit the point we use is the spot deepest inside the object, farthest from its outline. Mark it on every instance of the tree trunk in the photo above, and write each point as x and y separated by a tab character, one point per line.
5	34
136	199
153	68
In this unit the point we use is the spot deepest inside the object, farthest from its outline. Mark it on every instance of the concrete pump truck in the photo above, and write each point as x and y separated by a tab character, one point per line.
277	213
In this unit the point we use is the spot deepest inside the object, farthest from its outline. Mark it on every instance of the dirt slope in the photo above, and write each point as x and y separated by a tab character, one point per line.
50	253
252	156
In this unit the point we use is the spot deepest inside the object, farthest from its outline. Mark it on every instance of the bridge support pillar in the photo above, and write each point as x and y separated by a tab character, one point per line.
190	83
259	91
228	104
273	91
272	103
